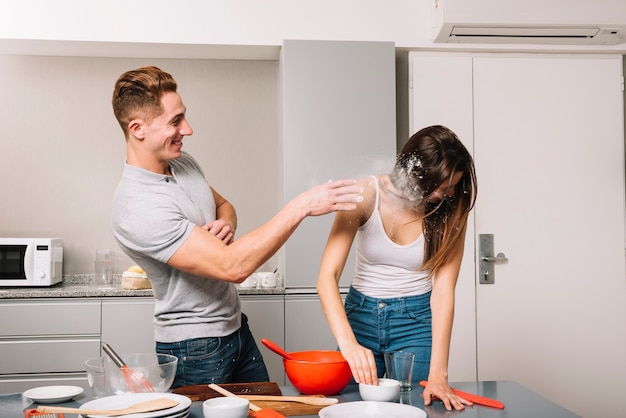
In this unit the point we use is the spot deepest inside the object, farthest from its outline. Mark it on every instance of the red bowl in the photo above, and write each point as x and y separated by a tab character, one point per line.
318	372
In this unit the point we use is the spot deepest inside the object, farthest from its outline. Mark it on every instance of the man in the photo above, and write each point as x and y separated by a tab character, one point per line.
181	232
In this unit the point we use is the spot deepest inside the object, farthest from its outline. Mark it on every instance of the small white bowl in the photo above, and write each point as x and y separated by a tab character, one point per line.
225	407
387	390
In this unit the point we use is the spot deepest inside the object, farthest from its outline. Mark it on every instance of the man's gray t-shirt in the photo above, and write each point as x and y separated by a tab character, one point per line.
153	215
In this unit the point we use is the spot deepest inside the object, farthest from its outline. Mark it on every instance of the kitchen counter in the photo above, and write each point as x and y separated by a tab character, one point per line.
85	286
519	402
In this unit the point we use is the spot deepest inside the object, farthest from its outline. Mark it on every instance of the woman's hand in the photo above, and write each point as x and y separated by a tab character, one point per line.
439	389
362	364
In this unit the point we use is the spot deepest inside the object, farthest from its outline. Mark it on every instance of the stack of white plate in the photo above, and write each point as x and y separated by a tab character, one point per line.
123	401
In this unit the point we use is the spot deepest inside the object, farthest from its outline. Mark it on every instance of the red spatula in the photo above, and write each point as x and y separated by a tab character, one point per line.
480	400
257	411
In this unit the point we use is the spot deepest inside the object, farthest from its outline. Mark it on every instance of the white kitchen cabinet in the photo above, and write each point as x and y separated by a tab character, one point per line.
46	341
547	133
266	320
338	121
127	324
435	78
306	327
49	340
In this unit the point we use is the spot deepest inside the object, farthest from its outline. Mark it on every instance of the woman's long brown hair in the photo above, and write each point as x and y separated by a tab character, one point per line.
429	159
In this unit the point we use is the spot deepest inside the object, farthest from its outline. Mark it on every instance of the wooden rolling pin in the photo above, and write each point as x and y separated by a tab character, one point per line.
309	400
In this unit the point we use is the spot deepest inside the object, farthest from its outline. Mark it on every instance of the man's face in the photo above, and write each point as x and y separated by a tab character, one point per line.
164	134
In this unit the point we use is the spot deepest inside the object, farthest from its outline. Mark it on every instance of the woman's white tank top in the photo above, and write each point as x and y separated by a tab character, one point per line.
385	269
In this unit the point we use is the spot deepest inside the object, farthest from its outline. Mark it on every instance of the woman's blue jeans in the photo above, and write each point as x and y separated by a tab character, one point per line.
231	359
397	324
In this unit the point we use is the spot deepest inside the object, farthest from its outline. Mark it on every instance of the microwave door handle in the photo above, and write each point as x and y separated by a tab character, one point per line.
29	260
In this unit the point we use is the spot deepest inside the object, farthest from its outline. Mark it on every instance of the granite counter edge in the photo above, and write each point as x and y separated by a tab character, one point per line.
85	286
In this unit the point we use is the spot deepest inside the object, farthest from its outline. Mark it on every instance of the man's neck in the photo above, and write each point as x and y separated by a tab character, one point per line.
147	161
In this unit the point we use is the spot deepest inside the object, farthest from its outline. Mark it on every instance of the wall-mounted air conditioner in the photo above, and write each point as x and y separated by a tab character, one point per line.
576	22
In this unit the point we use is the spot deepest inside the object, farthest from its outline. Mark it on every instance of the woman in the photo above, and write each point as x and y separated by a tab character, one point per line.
409	232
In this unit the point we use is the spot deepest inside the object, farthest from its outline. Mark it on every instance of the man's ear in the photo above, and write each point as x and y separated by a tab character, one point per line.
135	127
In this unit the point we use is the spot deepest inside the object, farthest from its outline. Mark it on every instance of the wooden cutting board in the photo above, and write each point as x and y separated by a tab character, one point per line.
288	409
203	392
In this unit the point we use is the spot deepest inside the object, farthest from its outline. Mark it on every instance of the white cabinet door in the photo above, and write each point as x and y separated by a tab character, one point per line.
127	324
49	317
339	121
48	336
22	382
46	341
442	95
306	327
548	143
550	158
266	320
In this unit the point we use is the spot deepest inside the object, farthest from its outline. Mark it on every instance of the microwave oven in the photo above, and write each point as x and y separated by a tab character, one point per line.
30	261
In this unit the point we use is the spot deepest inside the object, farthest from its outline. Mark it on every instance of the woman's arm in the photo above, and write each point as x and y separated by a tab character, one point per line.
442	307
344	229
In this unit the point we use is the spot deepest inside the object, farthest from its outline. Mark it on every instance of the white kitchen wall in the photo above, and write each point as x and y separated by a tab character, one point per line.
63	151
243	22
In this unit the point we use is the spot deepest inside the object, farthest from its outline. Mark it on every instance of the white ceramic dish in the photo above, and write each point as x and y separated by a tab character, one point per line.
181	414
387	390
53	394
128	399
368	409
225	407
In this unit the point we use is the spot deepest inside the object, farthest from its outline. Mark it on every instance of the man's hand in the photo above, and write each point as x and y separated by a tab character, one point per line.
222	230
331	197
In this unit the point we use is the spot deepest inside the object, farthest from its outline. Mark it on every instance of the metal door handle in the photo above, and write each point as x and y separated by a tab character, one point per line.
488	260
499	258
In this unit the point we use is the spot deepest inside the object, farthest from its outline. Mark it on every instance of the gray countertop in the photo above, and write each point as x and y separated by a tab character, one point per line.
85	286
519	402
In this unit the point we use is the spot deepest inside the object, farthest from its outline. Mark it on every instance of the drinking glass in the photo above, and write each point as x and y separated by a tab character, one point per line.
105	266
399	365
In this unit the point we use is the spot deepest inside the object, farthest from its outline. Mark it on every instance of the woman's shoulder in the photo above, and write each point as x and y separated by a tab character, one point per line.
364	181
370	193
369	186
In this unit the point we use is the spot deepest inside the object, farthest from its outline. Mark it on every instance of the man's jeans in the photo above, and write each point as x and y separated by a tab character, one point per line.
234	358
